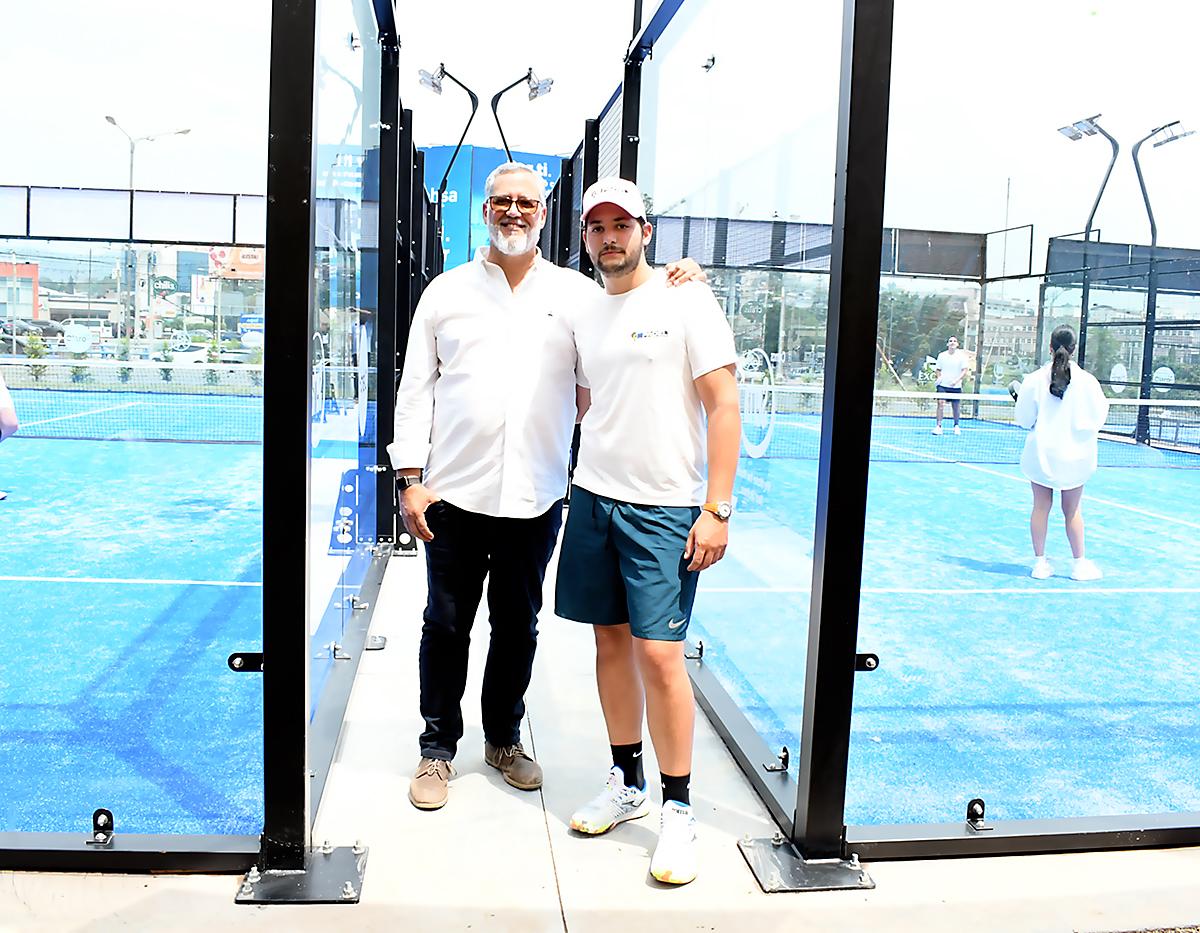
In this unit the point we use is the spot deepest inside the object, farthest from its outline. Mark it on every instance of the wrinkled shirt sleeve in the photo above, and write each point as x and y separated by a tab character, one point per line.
410	444
1091	409
1026	411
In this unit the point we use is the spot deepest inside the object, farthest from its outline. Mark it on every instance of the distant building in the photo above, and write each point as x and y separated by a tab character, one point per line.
19	295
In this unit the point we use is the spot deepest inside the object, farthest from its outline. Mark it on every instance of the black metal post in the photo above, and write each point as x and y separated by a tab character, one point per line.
566	188
631	100
1142	431
404	236
845	426
1080	354
591	167
390	132
285	434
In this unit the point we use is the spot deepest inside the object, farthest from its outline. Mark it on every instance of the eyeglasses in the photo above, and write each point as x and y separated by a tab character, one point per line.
503	203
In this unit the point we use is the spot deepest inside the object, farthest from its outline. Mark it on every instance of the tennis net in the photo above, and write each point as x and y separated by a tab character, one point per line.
785	422
136	400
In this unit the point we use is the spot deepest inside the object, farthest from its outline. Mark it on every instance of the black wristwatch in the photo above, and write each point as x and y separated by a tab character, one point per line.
405	481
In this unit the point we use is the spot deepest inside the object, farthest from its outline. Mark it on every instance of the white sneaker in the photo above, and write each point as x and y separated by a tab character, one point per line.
957	429
1085	570
615	804
937	429
674	860
1041	569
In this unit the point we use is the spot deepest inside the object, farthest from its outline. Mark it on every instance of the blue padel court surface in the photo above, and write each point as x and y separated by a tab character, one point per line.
1046	698
129	572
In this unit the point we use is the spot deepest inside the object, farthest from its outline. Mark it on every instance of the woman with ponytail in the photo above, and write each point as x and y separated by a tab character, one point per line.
1064	408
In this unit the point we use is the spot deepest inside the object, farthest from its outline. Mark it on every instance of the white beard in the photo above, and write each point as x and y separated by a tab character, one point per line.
517	245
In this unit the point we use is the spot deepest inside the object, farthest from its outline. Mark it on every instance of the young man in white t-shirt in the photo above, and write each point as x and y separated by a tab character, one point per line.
950	370
8	419
647	512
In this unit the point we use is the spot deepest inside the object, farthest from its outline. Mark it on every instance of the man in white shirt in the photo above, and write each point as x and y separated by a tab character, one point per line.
647	512
8	419
484	416
950	370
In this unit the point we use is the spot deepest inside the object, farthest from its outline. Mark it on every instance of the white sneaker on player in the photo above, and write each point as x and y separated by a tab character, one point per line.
957	429
674	860
1085	570
937	429
615	804
1041	569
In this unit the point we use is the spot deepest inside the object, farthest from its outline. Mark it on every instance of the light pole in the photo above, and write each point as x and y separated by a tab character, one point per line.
434	83
12	299
133	141
1143	420
1078	130
536	89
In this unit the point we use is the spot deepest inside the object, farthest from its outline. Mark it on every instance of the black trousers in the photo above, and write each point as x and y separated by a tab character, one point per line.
512	553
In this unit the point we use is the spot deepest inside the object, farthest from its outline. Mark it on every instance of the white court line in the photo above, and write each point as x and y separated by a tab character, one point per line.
965	590
1022	480
132	581
82	414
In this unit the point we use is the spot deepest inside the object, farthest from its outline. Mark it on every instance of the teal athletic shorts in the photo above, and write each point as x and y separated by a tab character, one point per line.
623	563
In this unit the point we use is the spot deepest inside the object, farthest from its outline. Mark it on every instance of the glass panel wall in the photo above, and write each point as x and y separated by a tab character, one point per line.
1050	697
723	189
132	560
341	323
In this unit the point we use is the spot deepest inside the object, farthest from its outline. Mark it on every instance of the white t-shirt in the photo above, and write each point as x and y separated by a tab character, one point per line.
950	366
1060	451
644	440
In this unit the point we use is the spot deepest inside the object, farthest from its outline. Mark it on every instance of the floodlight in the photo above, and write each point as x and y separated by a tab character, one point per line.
538	88
433	81
1070	132
1172	134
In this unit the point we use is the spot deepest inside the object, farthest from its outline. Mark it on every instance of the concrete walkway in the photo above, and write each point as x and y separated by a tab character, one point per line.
500	859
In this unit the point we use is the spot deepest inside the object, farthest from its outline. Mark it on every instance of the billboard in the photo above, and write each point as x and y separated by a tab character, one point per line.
463	229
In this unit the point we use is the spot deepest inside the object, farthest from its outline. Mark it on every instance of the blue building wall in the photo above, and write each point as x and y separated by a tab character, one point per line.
463	229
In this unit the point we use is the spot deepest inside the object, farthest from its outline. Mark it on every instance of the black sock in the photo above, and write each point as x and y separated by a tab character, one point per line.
629	759
676	788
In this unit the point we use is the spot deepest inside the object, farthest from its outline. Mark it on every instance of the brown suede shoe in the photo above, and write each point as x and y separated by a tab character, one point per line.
519	770
429	787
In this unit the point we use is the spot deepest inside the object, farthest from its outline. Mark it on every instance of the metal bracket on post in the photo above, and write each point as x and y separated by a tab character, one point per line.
330	876
779	867
103	828
866	662
975	813
246	662
699	655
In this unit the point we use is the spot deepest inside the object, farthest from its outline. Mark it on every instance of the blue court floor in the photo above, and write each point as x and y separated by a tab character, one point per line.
1046	698
129	572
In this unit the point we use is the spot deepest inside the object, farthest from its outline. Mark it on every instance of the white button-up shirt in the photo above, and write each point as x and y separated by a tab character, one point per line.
486	404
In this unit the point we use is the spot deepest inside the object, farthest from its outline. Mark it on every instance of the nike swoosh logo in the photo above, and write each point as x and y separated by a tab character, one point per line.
675	625
637	754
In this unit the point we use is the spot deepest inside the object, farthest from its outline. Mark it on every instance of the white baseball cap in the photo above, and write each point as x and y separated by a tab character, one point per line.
613	190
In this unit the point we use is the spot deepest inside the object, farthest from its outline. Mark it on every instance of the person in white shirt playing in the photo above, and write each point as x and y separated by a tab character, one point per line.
484	416
949	372
1064	408
645	519
8	419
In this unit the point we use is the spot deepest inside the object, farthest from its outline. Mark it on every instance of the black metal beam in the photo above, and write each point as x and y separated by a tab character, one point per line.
405	235
127	853
286	392
591	168
1023	837
566	191
845	451
631	102
390	133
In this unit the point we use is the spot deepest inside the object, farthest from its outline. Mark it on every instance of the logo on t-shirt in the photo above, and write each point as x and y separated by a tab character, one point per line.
647	334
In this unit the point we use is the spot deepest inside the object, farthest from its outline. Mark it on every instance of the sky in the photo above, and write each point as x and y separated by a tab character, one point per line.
978	90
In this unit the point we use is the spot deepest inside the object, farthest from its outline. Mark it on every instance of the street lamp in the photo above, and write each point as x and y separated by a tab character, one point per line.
1172	134
133	141
536	89
1076	131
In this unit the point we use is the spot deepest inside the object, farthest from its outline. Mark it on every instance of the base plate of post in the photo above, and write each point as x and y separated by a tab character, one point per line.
778	867
330	876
